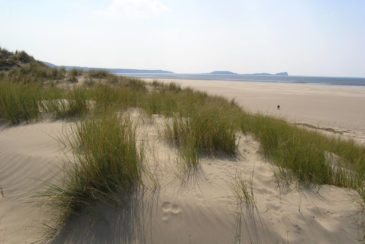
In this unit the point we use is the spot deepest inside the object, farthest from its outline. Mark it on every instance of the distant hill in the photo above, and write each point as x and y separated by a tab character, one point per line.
10	60
222	73
113	71
281	73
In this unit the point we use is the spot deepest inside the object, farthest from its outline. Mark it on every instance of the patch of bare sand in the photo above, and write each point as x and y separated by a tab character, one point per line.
173	208
30	156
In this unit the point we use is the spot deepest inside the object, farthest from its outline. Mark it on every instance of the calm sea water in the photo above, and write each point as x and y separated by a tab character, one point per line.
343	81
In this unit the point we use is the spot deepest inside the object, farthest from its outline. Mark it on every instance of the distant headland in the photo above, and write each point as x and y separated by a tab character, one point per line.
280	73
147	71
222	73
233	73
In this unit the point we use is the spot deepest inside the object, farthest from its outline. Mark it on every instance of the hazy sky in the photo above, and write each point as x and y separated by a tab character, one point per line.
303	37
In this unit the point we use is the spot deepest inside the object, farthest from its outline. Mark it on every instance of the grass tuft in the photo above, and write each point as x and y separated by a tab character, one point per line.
208	131
243	192
107	163
19	102
305	152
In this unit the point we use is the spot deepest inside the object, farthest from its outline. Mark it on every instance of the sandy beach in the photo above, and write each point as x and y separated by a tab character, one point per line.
203	209
325	106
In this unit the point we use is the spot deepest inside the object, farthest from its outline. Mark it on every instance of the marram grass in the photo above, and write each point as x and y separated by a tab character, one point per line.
208	131
107	167
201	125
19	102
307	153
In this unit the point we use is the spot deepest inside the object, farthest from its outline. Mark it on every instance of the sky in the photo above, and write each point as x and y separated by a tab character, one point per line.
302	37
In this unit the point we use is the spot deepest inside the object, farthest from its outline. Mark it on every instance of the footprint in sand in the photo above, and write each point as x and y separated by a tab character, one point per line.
200	200
169	210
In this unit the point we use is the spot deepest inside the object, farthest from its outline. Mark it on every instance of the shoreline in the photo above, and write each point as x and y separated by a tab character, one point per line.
292	79
323	106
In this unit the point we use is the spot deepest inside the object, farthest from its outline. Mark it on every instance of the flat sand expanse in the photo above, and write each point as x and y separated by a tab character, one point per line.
339	107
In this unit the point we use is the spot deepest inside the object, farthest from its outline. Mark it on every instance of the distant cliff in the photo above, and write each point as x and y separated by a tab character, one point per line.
222	73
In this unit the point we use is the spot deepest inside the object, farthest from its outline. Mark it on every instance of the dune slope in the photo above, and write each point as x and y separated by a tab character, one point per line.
195	208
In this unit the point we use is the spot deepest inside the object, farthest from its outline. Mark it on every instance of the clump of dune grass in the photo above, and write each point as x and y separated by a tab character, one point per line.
133	83
66	103
19	102
247	217
116	97
107	167
304	152
98	74
208	131
243	192
24	102
76	103
200	125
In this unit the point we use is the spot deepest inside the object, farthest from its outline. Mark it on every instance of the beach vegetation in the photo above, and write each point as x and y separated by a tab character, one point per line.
107	168
208	131
19	102
198	125
98	74
311	157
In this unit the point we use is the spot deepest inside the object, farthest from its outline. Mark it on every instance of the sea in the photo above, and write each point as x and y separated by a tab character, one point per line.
339	81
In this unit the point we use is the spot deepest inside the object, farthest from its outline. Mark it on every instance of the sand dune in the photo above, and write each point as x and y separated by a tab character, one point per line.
205	209
202	209
30	156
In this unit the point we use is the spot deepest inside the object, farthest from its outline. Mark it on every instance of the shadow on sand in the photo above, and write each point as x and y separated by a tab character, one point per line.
120	220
